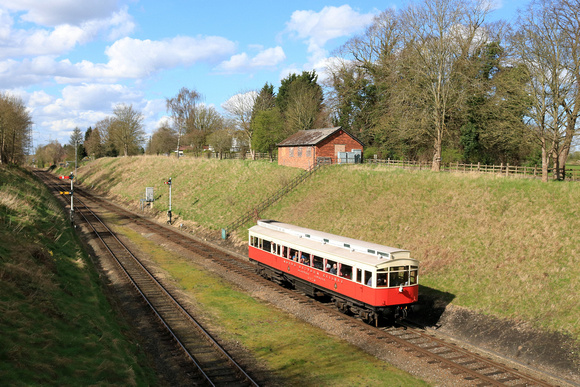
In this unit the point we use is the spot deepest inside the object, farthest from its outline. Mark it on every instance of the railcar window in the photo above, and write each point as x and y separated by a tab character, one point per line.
358	275
346	271
368	278
397	278
413	275
318	262
254	241
266	245
305	259
293	255
382	279
331	267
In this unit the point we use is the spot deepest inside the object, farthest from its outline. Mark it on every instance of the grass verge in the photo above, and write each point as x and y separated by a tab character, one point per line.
57	326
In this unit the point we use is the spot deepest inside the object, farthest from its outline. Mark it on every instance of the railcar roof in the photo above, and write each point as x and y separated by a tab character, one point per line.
351	249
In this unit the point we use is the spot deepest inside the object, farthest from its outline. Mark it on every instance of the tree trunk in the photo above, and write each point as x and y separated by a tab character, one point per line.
545	162
436	166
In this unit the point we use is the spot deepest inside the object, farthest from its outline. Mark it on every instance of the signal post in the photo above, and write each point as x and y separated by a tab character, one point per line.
71	193
168	182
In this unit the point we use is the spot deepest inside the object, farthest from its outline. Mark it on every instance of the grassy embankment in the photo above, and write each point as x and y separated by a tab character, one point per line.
57	326
503	247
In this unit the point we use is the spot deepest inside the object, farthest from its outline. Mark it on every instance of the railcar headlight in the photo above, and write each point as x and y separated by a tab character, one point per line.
401	288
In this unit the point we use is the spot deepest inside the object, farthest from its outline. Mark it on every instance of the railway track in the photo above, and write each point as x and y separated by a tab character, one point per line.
473	368
212	361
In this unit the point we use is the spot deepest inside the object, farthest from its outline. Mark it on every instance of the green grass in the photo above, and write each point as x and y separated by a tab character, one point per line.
205	192
501	246
505	247
298	353
57	326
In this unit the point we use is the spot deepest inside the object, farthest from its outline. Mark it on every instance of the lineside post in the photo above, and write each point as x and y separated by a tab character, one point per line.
168	182
72	208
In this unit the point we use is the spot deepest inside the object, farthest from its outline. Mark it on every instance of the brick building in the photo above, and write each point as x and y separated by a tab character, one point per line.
329	145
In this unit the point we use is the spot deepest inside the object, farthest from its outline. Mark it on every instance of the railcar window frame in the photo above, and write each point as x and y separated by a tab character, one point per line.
345	271
398	275
382	278
318	262
368	277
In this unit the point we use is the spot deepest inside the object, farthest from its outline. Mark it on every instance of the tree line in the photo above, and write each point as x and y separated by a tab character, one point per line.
15	130
434	81
121	134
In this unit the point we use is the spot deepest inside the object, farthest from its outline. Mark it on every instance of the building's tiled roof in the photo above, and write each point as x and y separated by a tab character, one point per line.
308	137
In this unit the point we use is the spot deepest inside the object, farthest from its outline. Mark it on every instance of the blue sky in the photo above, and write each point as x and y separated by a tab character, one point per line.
72	61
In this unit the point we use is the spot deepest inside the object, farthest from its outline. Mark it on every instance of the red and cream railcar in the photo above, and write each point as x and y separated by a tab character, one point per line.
364	278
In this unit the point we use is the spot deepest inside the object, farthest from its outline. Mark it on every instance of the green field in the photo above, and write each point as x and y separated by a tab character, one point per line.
500	246
57	326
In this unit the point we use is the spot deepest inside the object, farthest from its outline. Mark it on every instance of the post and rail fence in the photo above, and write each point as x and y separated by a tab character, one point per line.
502	169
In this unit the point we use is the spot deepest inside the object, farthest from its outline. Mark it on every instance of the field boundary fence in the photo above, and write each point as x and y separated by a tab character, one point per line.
263	205
502	169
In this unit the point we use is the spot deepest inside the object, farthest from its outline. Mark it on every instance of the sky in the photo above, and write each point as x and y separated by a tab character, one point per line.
72	61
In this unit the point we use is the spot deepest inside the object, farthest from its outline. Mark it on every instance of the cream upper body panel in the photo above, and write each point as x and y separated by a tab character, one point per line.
347	250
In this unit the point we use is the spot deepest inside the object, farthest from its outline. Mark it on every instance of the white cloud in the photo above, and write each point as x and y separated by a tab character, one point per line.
98	96
133	58
317	28
269	57
39	98
128	59
55	12
61	38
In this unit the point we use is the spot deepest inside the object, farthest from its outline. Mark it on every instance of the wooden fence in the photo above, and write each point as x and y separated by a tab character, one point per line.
502	169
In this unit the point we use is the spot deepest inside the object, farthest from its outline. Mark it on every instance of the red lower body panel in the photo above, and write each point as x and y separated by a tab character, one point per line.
377	297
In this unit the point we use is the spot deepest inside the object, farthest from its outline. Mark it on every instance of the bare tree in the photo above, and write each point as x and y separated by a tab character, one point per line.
126	130
541	46
182	108
51	153
205	120
15	129
440	34
568	14
240	108
163	140
221	141
94	142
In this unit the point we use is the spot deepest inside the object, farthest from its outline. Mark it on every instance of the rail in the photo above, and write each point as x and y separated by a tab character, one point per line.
253	213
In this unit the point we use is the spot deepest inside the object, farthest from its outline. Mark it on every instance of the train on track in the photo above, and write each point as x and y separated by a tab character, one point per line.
367	279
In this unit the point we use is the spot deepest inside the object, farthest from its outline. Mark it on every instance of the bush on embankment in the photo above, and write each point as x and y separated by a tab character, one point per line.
57	326
500	246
